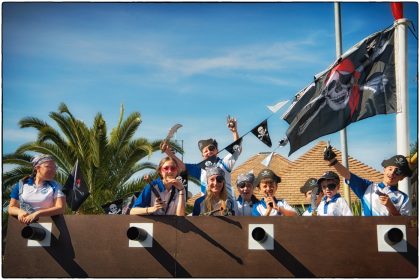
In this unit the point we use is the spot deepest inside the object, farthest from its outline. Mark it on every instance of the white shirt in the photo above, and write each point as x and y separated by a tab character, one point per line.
337	206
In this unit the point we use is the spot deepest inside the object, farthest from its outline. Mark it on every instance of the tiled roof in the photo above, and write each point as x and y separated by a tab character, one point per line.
295	173
191	200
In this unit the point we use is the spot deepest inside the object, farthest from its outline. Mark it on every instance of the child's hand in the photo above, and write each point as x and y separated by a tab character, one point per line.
329	153
271	203
159	204
231	123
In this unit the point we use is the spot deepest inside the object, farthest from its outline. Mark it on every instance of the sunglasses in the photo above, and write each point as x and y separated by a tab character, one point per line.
170	168
330	186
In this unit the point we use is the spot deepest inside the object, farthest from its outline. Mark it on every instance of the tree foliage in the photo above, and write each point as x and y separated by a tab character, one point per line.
109	162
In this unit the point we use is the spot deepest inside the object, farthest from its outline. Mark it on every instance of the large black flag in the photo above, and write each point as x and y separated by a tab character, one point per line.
75	188
360	84
261	131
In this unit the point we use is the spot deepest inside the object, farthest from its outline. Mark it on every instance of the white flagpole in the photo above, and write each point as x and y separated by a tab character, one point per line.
400	41
343	132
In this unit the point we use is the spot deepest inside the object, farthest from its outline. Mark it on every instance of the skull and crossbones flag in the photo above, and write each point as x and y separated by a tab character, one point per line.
211	161
261	132
120	206
359	84
234	147
75	188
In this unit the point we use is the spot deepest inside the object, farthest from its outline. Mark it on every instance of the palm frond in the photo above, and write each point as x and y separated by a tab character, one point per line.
122	135
32	122
10	178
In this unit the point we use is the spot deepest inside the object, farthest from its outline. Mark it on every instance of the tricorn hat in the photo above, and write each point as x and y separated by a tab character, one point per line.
399	161
329	175
267	174
206	142
309	185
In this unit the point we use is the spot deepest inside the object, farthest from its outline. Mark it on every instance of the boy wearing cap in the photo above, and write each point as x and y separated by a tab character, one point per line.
37	195
266	183
332	204
209	151
311	185
378	199
246	198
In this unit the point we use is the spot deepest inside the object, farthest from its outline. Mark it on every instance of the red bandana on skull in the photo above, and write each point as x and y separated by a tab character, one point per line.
341	87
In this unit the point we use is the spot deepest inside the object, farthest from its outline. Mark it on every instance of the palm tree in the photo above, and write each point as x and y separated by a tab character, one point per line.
109	163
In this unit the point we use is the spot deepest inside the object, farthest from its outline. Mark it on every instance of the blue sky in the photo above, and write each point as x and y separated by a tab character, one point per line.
188	63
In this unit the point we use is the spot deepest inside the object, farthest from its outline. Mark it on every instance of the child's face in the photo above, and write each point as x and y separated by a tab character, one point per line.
328	189
267	187
245	190
169	170
308	195
390	178
209	151
215	183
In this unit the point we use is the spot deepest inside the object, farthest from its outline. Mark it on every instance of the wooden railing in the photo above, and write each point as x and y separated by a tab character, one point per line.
98	246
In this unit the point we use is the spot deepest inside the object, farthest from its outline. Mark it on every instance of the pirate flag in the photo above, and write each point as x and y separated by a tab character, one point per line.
261	132
75	188
211	161
120	206
183	177
360	84
235	146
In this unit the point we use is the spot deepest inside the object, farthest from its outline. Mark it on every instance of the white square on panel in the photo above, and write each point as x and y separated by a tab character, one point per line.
268	243
383	246
46	242
148	242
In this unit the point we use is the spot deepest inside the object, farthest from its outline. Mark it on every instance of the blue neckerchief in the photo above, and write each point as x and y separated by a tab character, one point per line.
392	188
310	209
253	200
333	200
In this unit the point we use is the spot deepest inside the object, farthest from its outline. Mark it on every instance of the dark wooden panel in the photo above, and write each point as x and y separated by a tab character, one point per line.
97	246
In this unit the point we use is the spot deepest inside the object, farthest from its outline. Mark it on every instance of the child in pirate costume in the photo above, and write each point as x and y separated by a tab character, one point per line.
266	183
38	195
209	151
378	199
246	198
215	202
163	196
310	186
332	204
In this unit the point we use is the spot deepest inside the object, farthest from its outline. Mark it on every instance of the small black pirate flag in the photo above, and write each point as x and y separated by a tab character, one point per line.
120	206
75	188
235	146
183	177
261	132
211	161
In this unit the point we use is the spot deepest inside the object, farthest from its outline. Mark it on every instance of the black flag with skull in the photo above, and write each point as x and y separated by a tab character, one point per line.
360	84
234	147
261	131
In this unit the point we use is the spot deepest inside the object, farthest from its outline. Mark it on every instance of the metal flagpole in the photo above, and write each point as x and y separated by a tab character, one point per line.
400	41
343	132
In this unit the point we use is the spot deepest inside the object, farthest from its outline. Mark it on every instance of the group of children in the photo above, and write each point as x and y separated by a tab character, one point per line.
39	195
214	173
